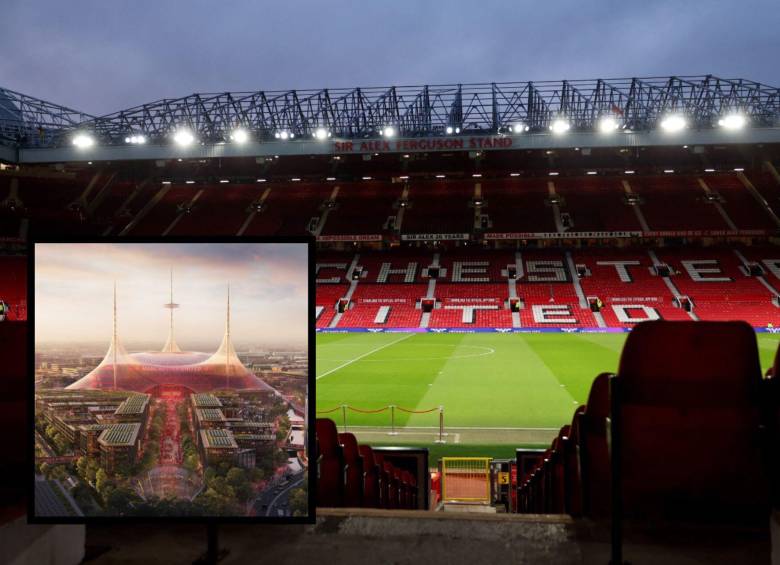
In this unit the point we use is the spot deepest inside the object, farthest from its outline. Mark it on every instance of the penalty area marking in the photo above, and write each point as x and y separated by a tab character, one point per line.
359	357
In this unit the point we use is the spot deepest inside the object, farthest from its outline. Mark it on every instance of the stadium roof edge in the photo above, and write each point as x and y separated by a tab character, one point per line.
631	105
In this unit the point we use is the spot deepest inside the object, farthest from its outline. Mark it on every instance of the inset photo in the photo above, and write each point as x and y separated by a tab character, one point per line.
171	380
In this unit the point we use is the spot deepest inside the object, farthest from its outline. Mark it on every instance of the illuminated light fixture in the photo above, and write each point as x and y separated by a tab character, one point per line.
553	174
406	155
239	135
183	137
331	178
82	140
189	182
608	125
477	176
224	181
388	131
404	177
321	134
179	160
592	173
135	140
366	178
440	176
519	128
668	171
709	170
738	170
514	174
89	162
452	129
673	123
295	179
732	121
260	180
560	126
284	135
628	172
166	182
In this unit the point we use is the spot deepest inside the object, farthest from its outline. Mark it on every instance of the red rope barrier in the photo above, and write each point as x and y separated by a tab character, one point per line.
368	411
384	409
416	411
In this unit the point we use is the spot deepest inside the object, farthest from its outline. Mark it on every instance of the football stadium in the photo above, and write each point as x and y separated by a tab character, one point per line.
553	298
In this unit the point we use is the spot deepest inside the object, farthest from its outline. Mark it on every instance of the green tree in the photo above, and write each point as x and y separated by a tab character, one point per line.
82	463
101	481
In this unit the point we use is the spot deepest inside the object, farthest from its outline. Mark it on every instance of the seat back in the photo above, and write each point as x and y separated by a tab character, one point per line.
592	449
371	478
330	475
572	479
13	415
353	471
690	422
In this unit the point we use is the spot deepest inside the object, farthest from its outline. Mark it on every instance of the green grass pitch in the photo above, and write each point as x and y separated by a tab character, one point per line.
499	391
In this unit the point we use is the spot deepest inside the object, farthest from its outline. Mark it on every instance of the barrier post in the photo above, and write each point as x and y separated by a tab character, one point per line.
441	426
392	421
344	416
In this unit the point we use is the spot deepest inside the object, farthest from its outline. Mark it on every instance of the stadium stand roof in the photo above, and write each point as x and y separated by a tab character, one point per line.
486	115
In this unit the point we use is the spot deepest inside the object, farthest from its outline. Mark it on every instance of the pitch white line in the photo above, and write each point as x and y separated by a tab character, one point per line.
358	358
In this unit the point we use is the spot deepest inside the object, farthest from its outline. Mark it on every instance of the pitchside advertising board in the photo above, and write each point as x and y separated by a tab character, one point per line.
516	236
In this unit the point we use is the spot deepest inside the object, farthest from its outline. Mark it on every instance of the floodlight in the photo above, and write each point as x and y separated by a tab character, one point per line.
560	126
388	131
608	124
519	128
183	137
239	135
732	121
673	123
321	134
83	140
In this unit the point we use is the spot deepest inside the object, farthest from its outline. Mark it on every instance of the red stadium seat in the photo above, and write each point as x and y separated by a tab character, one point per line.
13	416
330	475
689	422
593	452
573	480
353	471
371	478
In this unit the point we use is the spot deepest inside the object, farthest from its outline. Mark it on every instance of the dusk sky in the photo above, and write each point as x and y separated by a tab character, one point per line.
268	293
101	56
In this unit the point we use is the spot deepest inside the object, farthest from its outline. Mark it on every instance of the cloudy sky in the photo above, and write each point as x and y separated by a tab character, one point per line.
100	56
268	293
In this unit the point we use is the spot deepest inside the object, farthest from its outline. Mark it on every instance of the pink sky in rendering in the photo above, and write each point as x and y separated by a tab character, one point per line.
268	292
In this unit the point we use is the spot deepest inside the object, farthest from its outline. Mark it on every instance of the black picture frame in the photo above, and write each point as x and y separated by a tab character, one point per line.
210	521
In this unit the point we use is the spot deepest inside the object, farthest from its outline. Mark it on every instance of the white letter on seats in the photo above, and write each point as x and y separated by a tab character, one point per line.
555	270
620	267
622	313
551	314
697	272
459	268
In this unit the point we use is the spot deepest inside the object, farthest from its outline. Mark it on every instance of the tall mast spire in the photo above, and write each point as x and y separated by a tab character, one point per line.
227	338
114	341
171	346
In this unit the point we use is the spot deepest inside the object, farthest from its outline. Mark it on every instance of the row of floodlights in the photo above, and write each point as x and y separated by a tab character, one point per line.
671	123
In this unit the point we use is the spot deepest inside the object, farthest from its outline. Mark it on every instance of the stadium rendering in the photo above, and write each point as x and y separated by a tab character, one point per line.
171	432
489	258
